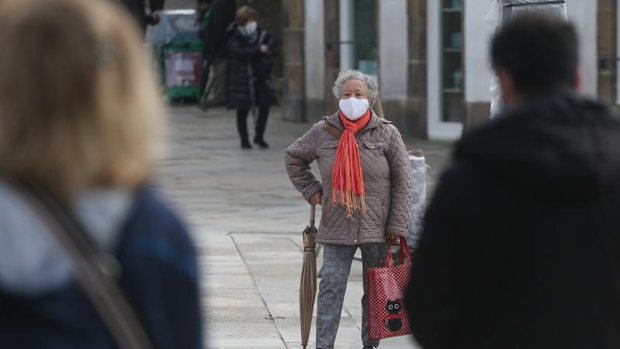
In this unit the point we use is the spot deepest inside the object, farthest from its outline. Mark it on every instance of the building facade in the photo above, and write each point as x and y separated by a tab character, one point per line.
430	57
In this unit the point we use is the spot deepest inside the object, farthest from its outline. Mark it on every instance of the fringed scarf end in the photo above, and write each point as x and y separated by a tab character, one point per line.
352	202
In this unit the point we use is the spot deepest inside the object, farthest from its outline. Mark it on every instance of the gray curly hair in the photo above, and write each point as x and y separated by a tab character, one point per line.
369	81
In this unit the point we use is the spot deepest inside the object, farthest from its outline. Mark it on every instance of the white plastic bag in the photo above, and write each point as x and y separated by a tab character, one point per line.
418	175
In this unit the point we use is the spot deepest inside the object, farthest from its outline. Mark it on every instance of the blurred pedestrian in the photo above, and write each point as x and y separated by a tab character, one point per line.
521	243
204	17
365	193
138	11
251	62
82	124
221	15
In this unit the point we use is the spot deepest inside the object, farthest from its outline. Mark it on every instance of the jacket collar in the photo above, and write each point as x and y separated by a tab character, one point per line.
374	122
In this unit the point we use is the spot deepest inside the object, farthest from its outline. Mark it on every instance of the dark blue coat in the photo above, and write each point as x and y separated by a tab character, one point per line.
160	278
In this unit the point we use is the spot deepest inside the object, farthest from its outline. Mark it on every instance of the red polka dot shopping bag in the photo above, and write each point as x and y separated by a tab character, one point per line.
387	316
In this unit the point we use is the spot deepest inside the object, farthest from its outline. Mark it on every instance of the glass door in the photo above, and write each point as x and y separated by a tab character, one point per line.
445	59
358	35
365	34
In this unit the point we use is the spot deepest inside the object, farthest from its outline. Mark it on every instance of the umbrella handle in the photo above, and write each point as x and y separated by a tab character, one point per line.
312	215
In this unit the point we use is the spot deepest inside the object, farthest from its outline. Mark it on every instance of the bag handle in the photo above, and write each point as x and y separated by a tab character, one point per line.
404	251
96	269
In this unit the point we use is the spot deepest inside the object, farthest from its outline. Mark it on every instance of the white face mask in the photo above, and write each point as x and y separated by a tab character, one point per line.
250	28
353	108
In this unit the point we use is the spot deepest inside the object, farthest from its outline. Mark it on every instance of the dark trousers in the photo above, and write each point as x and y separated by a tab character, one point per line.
204	78
263	102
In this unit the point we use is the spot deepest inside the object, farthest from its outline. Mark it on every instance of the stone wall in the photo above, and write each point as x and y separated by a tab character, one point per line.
416	108
332	53
293	46
607	50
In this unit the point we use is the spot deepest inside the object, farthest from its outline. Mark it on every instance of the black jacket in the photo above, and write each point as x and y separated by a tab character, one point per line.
138	11
222	15
246	64
521	243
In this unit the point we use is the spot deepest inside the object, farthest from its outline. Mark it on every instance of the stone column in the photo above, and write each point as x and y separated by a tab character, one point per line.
416	121
293	106
393	41
314	60
607	50
332	53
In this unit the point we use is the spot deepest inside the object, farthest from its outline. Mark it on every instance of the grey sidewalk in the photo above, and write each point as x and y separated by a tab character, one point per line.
247	219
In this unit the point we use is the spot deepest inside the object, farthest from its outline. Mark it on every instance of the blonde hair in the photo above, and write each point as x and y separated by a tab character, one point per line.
78	105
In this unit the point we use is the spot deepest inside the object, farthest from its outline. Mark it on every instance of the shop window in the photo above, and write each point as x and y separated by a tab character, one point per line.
365	36
358	35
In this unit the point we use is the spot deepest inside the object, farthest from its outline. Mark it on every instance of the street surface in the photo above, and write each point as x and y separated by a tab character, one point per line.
247	219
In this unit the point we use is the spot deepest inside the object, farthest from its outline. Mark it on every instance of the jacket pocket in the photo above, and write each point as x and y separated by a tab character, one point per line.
329	145
374	145
328	149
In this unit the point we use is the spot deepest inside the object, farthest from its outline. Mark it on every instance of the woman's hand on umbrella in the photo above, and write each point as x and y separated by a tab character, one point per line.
316	199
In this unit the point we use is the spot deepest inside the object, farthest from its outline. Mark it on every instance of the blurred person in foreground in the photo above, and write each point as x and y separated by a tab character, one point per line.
521	243
83	124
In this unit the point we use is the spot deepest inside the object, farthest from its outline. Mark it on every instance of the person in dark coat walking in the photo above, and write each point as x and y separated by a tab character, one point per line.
521	243
138	11
251	61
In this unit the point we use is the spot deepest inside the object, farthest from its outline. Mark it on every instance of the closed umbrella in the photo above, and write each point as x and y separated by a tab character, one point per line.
307	285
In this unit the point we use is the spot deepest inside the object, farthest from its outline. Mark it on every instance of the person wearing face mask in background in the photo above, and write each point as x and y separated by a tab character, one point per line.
365	192
250	51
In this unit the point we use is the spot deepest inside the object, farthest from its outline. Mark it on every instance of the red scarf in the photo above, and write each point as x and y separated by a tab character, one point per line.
347	176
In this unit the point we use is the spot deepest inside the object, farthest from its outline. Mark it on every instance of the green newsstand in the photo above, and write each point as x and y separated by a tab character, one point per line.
178	50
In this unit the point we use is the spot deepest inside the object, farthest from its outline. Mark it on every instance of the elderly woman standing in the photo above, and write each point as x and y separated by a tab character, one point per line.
365	192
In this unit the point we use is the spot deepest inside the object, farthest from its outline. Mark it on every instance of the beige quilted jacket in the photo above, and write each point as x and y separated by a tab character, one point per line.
387	180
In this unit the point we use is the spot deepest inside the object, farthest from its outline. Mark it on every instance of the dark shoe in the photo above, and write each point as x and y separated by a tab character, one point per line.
261	143
369	347
246	145
202	105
